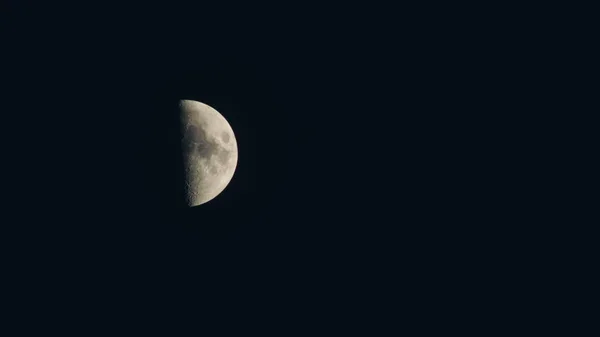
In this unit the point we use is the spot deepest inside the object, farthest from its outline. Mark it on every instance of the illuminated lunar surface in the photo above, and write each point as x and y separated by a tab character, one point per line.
209	150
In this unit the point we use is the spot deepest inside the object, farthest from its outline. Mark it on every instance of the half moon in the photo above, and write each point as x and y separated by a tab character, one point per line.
210	151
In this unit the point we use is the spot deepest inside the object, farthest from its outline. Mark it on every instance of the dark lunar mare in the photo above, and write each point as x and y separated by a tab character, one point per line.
196	139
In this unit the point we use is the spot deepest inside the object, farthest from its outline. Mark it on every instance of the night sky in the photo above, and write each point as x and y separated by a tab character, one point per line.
359	166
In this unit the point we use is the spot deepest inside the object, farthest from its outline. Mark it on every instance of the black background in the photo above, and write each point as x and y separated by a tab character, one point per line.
364	158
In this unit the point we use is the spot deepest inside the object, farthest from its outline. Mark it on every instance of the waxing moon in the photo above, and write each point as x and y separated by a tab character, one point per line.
210	151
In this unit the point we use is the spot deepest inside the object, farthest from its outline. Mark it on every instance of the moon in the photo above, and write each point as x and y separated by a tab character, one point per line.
209	149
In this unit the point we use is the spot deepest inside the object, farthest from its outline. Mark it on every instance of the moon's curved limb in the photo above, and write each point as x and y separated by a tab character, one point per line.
209	150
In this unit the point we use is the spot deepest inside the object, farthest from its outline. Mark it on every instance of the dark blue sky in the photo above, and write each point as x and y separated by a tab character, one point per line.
365	158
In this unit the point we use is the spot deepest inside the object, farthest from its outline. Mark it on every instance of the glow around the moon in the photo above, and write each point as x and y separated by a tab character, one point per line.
209	150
